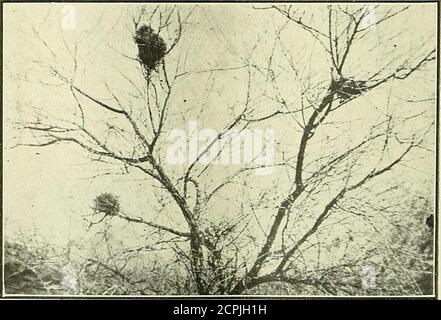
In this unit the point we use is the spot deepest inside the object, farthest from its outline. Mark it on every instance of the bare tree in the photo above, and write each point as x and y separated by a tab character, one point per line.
332	184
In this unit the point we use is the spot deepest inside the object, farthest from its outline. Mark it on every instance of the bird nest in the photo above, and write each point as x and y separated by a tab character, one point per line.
348	88
106	203
151	47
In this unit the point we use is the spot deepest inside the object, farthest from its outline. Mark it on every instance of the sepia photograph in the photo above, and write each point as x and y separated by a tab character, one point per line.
237	149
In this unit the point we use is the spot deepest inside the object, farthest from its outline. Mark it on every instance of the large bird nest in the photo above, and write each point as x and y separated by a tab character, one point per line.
348	88
106	203
151	47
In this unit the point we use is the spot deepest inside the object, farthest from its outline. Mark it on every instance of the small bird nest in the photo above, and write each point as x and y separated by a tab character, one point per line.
348	88
151	47
106	203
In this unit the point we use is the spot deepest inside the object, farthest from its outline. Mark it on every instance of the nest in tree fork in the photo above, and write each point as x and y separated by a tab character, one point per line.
151	47
106	203
347	88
